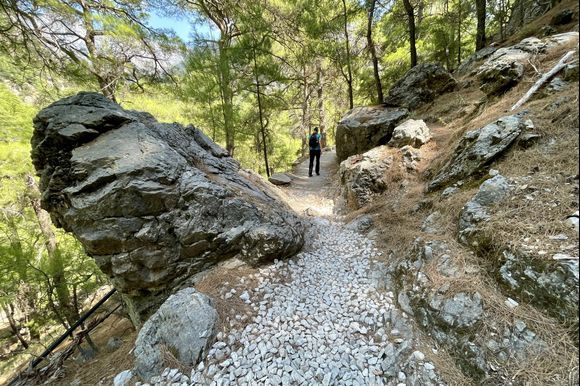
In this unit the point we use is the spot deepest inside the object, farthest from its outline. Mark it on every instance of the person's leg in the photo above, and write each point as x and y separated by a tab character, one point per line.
318	162
312	154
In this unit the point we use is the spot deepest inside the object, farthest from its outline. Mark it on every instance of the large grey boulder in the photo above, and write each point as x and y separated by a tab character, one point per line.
420	85
478	148
363	128
363	176
153	203
505	67
412	132
184	326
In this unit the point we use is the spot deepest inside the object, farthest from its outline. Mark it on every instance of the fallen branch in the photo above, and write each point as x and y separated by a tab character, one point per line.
560	65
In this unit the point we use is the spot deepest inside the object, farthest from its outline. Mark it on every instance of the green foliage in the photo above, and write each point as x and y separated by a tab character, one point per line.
31	279
15	117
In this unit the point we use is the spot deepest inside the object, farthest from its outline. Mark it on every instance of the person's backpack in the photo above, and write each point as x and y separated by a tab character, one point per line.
314	141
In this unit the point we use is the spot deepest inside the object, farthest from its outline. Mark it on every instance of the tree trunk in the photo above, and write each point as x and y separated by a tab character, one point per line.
411	20
348	58
305	109
57	271
9	311
459	33
260	112
320	97
420	12
372	51
480	6
227	94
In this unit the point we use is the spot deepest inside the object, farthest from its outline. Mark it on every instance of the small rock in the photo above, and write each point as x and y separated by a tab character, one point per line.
511	303
245	296
123	378
418	355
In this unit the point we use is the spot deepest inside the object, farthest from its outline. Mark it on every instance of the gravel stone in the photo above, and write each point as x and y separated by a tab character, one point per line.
315	321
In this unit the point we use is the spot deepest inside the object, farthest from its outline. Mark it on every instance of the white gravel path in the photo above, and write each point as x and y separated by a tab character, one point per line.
317	318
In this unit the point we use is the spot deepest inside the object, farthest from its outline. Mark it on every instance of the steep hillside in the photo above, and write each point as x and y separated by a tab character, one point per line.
507	265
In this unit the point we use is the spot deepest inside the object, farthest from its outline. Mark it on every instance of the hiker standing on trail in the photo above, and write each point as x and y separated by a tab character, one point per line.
314	144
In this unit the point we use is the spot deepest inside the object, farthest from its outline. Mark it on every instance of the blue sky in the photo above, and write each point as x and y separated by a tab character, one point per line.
181	26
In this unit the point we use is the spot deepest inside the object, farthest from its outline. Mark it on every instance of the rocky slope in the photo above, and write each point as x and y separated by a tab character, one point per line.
483	251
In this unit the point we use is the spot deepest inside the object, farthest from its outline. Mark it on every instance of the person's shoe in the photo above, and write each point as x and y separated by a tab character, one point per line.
310	175
317	174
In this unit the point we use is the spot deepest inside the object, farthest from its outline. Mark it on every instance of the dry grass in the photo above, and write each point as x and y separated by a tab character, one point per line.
550	365
445	364
400	211
219	281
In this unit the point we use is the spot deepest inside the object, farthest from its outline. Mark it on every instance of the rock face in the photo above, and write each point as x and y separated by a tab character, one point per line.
477	148
185	325
362	176
411	132
547	284
152	203
363	128
454	318
420	85
505	67
524	11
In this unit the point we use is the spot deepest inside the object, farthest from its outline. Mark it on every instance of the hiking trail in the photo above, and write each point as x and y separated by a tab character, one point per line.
322	317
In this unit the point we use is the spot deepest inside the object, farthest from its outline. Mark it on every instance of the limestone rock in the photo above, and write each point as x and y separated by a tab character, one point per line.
363	176
504	68
460	311
364	128
571	73
280	179
499	76
564	39
420	85
556	85
185	326
411	132
152	203
361	224
123	378
410	157
549	285
491	191
478	148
